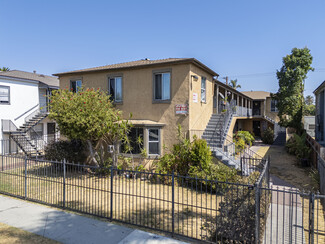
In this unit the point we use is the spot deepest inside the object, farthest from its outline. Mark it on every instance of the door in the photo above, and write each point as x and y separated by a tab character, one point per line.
256	108
50	132
257	128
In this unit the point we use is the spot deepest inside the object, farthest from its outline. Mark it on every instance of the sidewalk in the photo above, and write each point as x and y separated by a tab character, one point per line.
70	228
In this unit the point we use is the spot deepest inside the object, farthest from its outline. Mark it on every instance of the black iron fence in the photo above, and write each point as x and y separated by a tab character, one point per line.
251	211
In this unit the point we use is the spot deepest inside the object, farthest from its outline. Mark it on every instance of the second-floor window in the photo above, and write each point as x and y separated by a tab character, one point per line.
76	85
115	88
274	104
162	86
4	94
203	89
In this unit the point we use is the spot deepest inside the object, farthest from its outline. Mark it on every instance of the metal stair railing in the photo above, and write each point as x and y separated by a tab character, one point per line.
42	109
8	126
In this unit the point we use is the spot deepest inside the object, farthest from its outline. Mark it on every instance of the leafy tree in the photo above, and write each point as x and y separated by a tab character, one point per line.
89	116
4	69
309	100
291	78
233	84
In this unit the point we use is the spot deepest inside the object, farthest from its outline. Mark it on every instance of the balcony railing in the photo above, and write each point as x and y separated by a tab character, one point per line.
243	112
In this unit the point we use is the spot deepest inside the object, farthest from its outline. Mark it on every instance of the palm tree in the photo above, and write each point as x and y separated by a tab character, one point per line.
233	84
4	69
309	100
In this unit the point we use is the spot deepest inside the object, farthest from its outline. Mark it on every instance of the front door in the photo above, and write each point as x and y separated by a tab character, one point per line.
50	132
257	128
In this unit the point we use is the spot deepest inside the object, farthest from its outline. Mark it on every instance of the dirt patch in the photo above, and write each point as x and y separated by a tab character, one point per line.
286	167
10	235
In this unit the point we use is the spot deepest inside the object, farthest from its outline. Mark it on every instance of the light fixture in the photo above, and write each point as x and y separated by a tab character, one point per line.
195	77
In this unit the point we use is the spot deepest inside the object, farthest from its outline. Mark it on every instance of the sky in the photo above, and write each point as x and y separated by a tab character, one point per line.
244	40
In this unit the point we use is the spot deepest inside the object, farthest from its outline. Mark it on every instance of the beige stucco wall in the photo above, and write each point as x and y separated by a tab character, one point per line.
200	112
138	96
268	113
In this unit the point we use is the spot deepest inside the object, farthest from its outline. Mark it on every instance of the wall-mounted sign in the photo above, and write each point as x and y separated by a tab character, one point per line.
181	109
195	97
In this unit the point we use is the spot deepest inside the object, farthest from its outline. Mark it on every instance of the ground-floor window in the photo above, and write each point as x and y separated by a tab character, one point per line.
136	141
153	141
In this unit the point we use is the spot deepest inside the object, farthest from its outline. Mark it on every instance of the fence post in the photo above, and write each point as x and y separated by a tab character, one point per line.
268	170
112	176
241	165
173	203
64	182
311	217
257	214
25	177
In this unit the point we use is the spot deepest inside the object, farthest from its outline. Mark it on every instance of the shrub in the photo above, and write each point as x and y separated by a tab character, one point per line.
239	145
193	159
246	136
268	136
71	151
236	221
297	146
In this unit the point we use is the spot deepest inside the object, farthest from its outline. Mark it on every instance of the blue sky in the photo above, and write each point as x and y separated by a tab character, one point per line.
240	39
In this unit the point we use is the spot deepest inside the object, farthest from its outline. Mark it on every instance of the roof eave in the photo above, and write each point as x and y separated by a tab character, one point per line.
183	61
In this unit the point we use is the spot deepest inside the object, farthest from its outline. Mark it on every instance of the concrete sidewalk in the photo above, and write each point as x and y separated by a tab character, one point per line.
70	228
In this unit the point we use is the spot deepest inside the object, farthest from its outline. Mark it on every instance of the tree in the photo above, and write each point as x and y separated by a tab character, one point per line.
89	116
309	108
309	100
233	84
291	78
4	69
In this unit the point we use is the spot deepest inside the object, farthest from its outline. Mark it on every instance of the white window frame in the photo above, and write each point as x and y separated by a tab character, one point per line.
8	88
204	90
162	86
109	88
148	141
276	108
77	87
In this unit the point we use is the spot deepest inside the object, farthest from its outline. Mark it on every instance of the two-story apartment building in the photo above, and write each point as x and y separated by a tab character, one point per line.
162	94
23	110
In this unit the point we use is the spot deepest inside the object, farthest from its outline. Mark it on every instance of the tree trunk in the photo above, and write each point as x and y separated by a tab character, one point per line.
93	154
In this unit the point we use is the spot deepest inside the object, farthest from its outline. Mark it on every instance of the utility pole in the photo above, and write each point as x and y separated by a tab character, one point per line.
226	78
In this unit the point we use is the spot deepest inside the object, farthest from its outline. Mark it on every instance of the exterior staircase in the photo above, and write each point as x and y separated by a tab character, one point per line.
28	145
222	146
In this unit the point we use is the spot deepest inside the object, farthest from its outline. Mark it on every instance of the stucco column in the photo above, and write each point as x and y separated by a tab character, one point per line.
264	108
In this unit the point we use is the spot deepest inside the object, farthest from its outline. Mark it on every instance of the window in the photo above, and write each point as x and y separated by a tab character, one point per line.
134	135
273	106
115	88
4	94
203	89
153	141
76	85
162	86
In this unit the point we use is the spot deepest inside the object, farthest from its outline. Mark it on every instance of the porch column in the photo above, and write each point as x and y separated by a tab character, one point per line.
264	108
232	96
217	101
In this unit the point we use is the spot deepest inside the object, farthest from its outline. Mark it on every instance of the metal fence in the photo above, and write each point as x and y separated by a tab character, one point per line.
203	209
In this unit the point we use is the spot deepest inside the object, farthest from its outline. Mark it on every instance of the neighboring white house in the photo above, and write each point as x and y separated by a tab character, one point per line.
23	108
309	125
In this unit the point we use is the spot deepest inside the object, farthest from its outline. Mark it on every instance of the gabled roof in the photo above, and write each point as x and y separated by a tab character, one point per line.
140	64
50	81
257	95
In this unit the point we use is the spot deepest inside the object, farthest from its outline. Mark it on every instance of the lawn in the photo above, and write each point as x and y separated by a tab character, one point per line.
11	235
